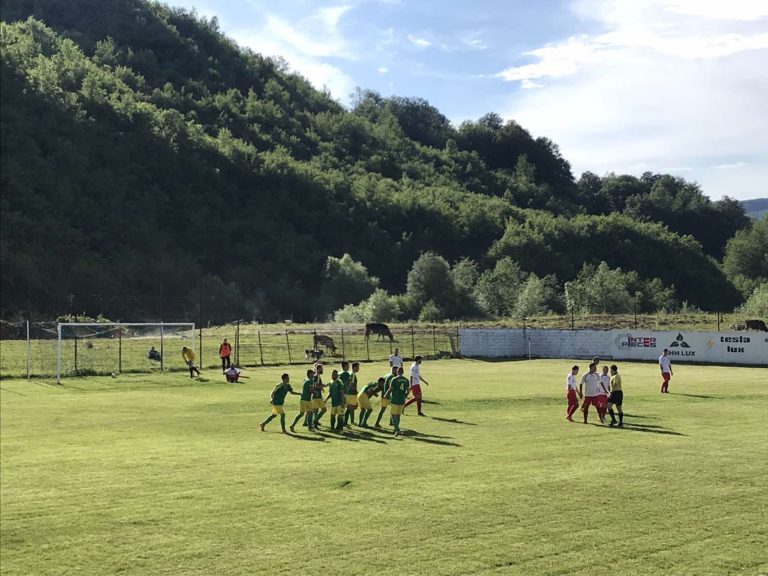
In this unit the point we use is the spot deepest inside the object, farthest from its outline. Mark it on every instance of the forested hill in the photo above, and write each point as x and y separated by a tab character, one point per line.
152	169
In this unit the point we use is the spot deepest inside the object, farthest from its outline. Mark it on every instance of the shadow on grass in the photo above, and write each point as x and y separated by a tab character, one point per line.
453	421
430	402
628	415
694	395
308	438
11	391
422	436
437	442
649	428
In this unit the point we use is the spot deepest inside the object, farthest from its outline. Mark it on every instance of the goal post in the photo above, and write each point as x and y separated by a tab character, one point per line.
103	348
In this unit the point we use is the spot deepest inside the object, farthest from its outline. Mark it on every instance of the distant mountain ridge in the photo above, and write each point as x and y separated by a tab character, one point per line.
755	208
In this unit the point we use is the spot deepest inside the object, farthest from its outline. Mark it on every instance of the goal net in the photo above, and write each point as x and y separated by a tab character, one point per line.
91	349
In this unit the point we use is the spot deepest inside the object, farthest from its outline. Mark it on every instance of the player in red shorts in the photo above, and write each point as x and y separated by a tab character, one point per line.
415	384
573	393
665	364
589	389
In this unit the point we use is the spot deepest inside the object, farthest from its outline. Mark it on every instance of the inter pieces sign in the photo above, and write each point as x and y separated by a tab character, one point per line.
629	341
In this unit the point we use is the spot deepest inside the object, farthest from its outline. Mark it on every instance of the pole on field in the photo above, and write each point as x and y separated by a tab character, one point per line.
288	343
237	344
199	344
119	350
718	321
58	360
368	350
413	343
162	347
261	352
343	349
529	346
434	342
28	351
635	315
75	352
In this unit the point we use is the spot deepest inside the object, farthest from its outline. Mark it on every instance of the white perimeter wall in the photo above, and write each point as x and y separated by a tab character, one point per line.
684	346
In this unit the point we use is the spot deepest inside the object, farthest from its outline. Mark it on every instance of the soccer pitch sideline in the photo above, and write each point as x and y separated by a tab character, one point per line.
160	474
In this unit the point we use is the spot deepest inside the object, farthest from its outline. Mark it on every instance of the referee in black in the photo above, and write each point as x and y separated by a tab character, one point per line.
616	398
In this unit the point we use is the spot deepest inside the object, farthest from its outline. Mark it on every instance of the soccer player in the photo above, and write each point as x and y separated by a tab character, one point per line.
616	398
398	392
364	399
384	402
415	383
590	381
318	406
277	399
189	357
232	374
305	402
665	364
573	393
350	394
395	359
602	397
336	396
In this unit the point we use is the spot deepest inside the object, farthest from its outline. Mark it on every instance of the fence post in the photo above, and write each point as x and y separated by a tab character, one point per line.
718	321
434	342
120	350
28	350
288	342
200	345
237	344
162	347
413	344
458	344
572	325
75	353
261	352
343	349
368	350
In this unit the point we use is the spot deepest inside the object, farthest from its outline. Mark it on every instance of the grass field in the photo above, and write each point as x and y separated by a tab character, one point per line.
160	474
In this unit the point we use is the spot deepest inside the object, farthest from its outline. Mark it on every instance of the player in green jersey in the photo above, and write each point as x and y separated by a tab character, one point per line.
318	405
305	403
385	396
398	392
336	396
364	399
350	394
277	399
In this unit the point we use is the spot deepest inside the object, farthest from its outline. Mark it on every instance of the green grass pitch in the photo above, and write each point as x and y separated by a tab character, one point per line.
160	474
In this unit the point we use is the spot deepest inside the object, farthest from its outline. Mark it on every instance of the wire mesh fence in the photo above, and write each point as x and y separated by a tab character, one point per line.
32	350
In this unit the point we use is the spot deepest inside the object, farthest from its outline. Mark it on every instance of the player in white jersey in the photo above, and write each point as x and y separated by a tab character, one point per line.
665	364
573	393
416	380
395	359
589	389
605	389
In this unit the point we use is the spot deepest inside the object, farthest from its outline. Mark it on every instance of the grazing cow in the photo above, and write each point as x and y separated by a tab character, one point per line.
324	341
758	325
380	329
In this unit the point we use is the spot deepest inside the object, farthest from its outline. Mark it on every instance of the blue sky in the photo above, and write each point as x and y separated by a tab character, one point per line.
622	86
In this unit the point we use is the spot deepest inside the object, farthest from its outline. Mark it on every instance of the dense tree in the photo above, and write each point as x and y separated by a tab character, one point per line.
151	168
746	256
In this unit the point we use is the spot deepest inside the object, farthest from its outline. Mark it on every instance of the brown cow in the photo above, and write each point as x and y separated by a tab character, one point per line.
324	341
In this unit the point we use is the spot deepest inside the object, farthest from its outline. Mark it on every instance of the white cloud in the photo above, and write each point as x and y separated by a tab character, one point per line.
418	41
731	166
651	91
382	70
306	45
719	9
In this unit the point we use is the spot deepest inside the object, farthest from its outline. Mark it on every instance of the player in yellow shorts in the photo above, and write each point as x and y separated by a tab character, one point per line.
364	399
398	392
336	396
277	399
385	396
350	394
318	405
305	403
